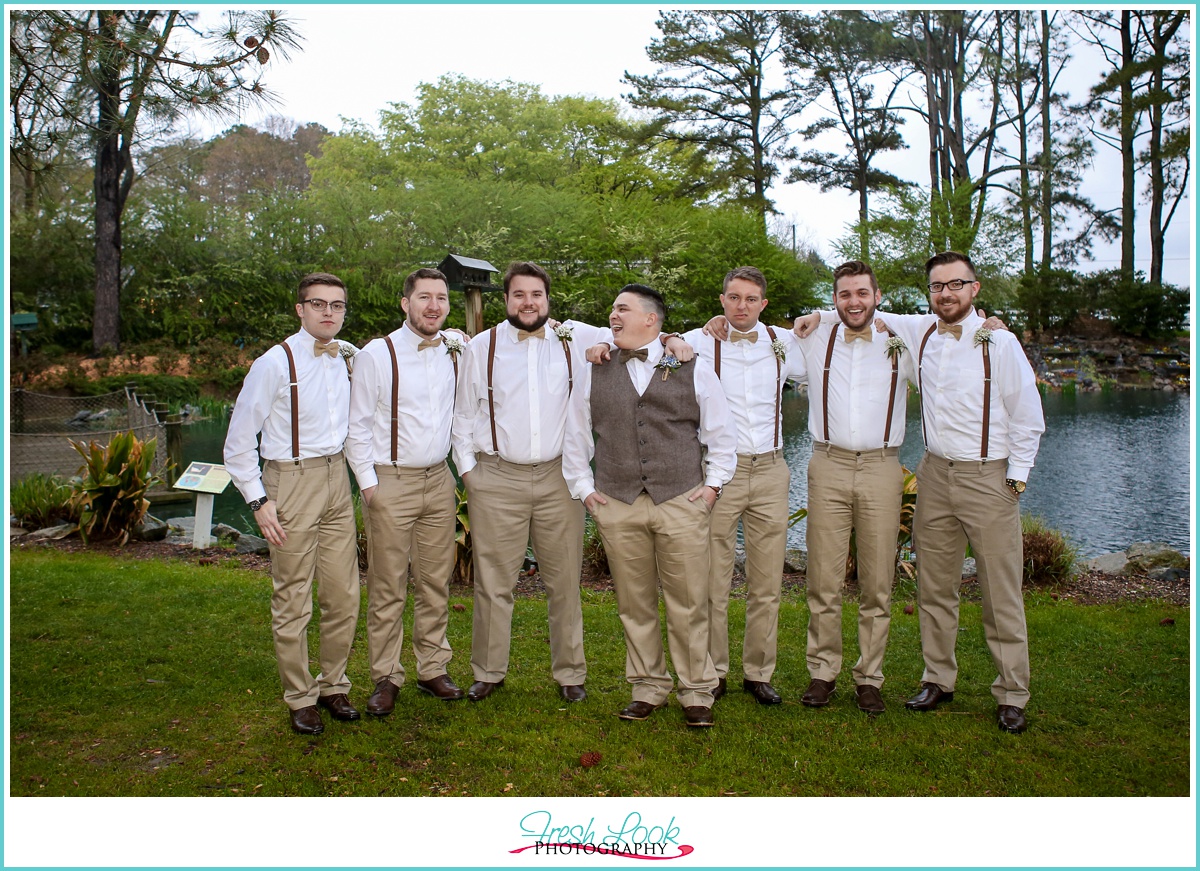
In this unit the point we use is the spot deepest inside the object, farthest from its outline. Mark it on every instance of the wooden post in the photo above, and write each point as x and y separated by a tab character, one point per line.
473	309
174	427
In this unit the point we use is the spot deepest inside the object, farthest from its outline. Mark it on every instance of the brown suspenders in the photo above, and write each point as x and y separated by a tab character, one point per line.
887	427
778	376
491	366
921	380
396	395
987	391
294	383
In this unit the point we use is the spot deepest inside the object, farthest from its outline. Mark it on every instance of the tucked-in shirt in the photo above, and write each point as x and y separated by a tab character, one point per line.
752	382
265	406
424	408
530	385
717	432
860	385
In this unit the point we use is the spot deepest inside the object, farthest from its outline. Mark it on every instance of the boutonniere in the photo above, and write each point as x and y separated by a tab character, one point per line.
983	336
668	364
895	347
347	352
454	346
779	348
564	333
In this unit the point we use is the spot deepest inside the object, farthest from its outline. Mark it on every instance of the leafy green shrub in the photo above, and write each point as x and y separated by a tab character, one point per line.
1049	557
464	566
110	492
595	560
175	390
41	500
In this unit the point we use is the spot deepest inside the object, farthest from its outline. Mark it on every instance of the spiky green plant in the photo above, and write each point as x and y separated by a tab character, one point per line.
110	490
41	500
464	566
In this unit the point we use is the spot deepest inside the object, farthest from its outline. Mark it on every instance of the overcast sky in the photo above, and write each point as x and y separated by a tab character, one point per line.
359	58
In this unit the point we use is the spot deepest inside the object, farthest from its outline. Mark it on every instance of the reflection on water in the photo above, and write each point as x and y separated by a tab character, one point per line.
1113	467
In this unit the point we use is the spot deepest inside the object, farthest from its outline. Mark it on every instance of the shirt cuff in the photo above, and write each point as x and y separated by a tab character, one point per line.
468	463
366	478
254	491
1018	473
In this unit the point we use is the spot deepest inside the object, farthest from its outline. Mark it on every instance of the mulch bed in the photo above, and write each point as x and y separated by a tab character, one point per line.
1088	588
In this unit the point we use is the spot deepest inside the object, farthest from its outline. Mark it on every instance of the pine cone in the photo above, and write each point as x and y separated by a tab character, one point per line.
587	760
251	41
263	55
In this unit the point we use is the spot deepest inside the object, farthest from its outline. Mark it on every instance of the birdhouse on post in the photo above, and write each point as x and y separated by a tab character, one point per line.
472	277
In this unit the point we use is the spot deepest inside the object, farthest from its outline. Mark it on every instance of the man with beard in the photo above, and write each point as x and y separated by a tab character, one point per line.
399	438
295	397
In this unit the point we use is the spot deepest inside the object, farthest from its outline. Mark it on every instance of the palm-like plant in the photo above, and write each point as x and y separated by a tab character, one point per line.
110	489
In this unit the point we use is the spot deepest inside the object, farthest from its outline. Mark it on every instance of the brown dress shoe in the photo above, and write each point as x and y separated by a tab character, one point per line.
440	687
572	693
1011	719
698	715
339	706
818	693
383	700
762	691
307	721
636	710
481	689
930	696
869	699
719	692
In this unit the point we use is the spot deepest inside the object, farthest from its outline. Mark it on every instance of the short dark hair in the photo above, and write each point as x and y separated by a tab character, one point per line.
524	267
853	268
318	278
411	280
648	295
945	258
746	273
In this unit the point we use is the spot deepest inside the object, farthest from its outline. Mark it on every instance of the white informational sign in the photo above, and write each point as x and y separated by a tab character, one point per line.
206	480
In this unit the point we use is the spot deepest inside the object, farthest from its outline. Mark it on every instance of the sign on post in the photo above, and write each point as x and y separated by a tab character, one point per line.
206	480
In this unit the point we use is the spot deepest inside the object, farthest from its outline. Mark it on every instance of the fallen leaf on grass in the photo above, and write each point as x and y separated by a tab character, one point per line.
459	606
908	609
1167	621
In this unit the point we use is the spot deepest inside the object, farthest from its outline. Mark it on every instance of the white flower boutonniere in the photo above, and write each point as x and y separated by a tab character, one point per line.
454	346
668	364
779	348
983	336
564	333
895	347
347	353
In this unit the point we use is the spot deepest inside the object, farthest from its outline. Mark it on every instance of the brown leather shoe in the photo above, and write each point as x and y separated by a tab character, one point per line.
762	691
572	693
636	710
441	687
481	689
339	706
930	696
869	699
818	693
698	715
1011	719
719	692
307	721
383	700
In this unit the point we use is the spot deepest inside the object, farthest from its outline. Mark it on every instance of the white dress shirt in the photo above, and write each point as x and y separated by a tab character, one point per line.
951	379
529	383
265	406
717	432
424	408
860	384
752	383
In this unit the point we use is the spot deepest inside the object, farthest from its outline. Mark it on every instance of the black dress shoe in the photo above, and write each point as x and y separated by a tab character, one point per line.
869	699
636	710
763	691
1011	719
698	715
383	700
818	693
930	696
572	693
307	721
720	690
339	706
441	687
481	689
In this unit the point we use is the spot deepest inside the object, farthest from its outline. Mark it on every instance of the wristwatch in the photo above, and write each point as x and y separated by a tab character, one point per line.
662	337
1016	486
258	503
715	489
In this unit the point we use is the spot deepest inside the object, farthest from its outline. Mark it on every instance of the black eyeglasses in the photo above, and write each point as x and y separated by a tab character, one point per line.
952	284
319	305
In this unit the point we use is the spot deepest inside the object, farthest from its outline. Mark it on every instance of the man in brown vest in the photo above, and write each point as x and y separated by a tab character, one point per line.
664	444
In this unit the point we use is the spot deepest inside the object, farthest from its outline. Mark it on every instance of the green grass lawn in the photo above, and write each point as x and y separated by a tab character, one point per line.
144	677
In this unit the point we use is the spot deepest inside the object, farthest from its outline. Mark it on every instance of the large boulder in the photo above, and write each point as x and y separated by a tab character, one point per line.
1140	558
247	543
150	529
795	560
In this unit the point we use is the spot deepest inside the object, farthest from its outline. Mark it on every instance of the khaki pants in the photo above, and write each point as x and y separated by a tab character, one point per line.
313	503
410	522
959	502
510	505
758	496
859	490
648	543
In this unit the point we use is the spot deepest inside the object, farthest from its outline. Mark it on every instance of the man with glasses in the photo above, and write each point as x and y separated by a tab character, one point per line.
401	406
296	397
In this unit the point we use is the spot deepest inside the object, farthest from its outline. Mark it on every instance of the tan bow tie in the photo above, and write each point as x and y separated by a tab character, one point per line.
539	333
428	343
864	334
735	336
640	354
332	349
953	329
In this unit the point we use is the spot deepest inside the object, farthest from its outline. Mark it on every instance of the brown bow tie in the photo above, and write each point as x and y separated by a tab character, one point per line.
735	336
428	343
864	334
953	329
640	354
539	333
332	349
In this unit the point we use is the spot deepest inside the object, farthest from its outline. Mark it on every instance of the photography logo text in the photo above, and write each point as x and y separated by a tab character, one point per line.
632	838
